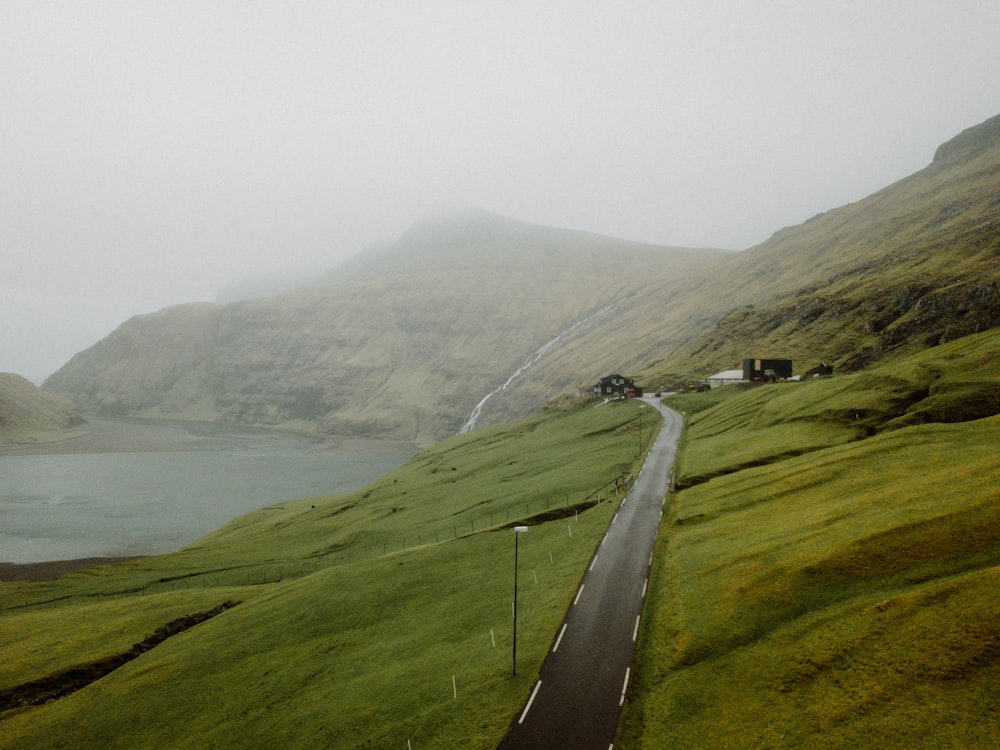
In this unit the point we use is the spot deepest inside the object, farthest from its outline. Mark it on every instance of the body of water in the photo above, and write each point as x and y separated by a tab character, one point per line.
155	487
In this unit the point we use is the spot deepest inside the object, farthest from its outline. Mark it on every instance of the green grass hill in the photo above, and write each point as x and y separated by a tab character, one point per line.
366	620
31	415
911	266
827	573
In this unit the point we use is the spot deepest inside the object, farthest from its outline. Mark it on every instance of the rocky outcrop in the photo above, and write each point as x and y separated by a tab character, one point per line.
969	144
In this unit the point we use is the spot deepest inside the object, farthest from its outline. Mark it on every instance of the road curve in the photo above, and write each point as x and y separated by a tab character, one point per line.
577	700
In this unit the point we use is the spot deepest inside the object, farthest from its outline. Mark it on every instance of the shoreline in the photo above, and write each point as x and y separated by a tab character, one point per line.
52	569
147	434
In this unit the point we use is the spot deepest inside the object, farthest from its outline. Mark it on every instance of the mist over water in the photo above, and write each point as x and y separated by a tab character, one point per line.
70	505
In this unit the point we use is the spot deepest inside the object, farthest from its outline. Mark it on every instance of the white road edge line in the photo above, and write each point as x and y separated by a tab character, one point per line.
532	700
578	593
644	585
593	563
559	639
635	631
621	702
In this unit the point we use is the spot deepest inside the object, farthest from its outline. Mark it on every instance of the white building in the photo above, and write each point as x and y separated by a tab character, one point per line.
726	377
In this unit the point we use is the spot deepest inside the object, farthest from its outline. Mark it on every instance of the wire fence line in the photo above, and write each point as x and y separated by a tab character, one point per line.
259	573
539	511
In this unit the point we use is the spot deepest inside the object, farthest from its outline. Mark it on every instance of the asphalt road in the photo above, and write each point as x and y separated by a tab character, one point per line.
577	700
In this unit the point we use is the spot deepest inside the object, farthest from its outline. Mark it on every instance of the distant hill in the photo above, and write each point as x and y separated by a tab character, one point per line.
913	265
27	413
403	341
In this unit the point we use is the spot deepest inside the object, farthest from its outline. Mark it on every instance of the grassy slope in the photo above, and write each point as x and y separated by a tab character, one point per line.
30	415
912	264
841	598
357	611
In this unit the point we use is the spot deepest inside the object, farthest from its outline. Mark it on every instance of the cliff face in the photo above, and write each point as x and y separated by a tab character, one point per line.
969	144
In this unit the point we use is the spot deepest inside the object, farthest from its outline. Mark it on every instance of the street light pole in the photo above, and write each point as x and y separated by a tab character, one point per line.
517	531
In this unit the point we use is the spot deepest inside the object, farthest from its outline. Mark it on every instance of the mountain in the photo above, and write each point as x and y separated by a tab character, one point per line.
27	413
402	342
405	340
911	266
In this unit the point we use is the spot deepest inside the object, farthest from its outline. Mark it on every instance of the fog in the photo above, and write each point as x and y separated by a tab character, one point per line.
152	153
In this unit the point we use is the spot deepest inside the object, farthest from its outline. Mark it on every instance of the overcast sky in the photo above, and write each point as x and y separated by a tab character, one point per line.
153	152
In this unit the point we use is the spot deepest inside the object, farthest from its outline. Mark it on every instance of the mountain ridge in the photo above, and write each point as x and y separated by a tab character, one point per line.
404	340
402	344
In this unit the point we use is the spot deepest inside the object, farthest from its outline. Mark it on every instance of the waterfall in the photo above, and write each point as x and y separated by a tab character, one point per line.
477	410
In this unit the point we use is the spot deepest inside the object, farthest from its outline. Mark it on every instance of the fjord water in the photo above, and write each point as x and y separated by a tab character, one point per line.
148	488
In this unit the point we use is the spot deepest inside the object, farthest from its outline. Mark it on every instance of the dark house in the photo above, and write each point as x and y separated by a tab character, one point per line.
617	385
821	369
767	369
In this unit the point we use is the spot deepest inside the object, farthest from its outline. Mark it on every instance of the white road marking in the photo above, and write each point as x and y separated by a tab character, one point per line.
532	700
635	632
621	702
594	562
578	593
559	639
644	585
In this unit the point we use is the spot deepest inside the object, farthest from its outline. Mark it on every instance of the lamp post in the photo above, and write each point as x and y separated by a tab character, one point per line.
517	531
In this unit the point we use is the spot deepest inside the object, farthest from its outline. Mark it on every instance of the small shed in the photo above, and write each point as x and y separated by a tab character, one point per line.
726	377
617	386
767	369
